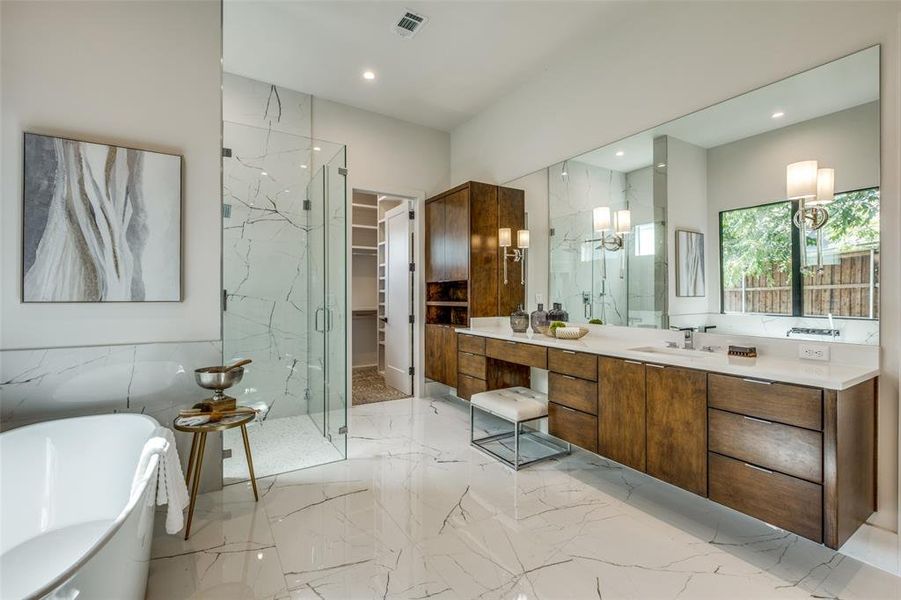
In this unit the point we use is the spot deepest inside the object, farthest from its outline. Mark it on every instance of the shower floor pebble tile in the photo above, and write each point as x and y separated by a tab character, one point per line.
417	513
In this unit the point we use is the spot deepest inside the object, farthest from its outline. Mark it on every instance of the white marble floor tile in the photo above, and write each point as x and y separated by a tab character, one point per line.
416	513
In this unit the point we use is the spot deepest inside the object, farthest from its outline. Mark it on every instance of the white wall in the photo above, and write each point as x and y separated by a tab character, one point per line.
140	74
690	55
686	208
385	154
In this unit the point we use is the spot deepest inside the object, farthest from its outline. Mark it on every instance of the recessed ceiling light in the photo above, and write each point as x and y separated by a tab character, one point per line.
303	166
316	148
264	173
661	165
620	153
368	75
778	114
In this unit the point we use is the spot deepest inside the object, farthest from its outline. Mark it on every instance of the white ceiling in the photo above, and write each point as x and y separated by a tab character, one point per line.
835	86
465	57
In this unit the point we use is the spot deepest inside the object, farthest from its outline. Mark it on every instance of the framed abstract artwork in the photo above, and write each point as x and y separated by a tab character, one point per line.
690	280
100	223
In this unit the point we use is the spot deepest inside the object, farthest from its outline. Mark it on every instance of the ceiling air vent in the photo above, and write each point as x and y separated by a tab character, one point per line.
409	24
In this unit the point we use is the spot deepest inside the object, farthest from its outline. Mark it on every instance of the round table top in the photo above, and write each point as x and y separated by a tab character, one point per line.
246	415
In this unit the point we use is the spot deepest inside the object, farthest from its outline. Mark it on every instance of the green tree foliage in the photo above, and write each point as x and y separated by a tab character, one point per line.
756	241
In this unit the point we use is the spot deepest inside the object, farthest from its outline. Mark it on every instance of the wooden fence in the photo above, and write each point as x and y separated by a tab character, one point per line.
849	288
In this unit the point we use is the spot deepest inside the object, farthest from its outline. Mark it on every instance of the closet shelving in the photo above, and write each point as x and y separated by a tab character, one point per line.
364	249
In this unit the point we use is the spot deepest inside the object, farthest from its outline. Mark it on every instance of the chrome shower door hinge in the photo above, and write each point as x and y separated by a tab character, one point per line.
343	430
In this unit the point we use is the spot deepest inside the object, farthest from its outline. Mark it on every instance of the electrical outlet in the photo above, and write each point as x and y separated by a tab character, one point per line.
813	352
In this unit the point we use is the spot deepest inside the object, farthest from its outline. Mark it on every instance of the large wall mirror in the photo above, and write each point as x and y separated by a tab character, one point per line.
756	216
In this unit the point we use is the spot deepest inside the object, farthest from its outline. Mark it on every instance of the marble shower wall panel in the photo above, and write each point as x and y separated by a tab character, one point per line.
575	266
251	102
268	129
152	379
264	255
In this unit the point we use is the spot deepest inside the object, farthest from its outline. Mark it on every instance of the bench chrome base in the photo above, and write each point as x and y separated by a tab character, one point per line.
556	448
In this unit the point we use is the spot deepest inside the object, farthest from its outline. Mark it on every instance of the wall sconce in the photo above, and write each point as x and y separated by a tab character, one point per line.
611	238
505	240
813	188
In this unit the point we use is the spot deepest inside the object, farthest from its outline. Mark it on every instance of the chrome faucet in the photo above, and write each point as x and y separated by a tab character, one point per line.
689	337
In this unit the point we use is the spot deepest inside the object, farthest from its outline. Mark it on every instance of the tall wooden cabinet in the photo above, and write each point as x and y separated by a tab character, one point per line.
463	265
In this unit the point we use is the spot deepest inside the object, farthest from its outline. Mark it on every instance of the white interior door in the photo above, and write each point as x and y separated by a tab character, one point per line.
398	300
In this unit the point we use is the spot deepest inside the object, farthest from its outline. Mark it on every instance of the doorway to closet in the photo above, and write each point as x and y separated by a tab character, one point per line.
382	279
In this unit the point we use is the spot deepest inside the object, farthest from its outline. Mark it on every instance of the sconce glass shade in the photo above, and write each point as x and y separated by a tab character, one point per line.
504	237
801	180
623	221
601	218
522	238
825	188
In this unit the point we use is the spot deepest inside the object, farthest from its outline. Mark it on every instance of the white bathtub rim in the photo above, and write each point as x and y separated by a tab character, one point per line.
152	464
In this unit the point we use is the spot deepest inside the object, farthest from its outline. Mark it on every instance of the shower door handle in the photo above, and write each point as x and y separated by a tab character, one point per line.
316	319
328	319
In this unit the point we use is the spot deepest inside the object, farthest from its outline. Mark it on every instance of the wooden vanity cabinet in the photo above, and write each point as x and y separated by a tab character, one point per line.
441	353
677	426
621	411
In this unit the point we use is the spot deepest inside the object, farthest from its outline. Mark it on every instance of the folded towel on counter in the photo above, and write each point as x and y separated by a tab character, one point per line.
170	487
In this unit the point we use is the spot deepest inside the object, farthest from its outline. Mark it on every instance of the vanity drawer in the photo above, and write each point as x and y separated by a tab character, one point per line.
570	362
782	402
471	364
467	386
470	343
573	392
573	426
516	352
790	450
783	501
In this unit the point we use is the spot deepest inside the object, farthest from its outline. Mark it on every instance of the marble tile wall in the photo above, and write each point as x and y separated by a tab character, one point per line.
267	128
153	379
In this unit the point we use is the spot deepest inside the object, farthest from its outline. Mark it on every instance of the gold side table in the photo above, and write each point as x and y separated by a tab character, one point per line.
195	460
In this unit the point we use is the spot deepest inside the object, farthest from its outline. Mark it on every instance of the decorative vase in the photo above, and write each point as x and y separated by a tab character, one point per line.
519	320
557	313
539	320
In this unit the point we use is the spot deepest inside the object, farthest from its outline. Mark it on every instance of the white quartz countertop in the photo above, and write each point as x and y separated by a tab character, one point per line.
828	375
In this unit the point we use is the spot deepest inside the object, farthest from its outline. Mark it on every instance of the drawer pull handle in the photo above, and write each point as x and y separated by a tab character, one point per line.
760	381
756	420
567	352
656	366
568	377
631	362
756	468
511	343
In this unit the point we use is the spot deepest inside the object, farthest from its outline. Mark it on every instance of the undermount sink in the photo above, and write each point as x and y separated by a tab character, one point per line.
680	352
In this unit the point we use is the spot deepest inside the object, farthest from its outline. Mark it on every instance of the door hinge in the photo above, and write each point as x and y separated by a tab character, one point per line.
224	300
226	211
411	371
412	214
307	205
552	231
342	171
226	153
226	453
411	318
343	430
412	267
306	394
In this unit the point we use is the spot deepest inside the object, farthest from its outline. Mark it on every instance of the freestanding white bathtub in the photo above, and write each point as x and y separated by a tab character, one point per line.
69	526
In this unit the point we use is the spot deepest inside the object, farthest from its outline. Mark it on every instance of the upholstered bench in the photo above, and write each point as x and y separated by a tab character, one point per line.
518	406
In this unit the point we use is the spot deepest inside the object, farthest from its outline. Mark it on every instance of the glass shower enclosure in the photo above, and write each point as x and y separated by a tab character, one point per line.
284	297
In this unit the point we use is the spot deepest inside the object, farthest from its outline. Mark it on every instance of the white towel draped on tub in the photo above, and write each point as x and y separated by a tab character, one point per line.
170	487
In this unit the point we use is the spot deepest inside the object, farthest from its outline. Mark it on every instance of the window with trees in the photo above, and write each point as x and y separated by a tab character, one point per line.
760	260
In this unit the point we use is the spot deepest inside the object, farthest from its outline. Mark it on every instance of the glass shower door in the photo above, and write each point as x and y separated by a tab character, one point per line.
336	373
316	317
326	287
